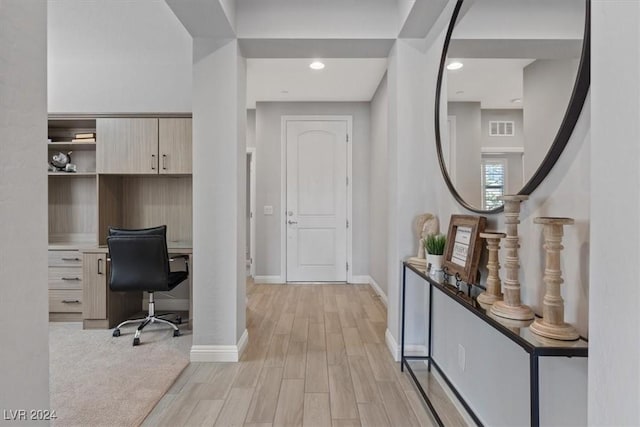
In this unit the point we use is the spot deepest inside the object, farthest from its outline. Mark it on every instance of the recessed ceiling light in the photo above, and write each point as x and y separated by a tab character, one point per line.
316	65
284	91
455	65
459	92
516	101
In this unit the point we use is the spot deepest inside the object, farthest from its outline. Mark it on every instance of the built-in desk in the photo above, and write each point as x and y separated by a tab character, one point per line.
103	308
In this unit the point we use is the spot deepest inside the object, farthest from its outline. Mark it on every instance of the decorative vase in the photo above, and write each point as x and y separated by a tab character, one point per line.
435	261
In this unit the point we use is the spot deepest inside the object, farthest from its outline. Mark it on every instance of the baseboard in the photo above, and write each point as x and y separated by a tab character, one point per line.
409	349
360	280
167	304
220	353
392	345
269	280
379	291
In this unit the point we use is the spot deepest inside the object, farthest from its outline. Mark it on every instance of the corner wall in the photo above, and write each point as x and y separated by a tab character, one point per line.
24	331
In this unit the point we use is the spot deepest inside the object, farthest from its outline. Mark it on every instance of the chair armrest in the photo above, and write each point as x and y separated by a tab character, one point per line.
184	257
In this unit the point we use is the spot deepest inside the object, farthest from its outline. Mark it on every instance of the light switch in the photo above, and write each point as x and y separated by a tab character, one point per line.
268	210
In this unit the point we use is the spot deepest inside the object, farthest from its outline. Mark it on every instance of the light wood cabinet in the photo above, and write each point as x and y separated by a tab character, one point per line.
174	146
144	146
127	146
94	272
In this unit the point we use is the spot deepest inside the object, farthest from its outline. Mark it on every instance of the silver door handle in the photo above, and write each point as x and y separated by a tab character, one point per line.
292	222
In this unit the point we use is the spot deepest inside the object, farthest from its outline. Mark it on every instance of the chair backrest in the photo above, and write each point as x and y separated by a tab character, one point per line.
139	259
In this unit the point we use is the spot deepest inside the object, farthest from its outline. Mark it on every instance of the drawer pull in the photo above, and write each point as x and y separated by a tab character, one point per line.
71	278
71	301
71	259
99	265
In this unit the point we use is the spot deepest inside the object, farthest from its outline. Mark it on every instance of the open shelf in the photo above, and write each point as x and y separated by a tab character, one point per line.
72	174
72	146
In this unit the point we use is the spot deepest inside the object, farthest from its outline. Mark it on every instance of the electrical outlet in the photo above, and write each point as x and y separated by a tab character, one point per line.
268	210
461	357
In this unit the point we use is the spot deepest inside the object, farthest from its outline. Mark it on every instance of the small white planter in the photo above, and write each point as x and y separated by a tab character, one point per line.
435	261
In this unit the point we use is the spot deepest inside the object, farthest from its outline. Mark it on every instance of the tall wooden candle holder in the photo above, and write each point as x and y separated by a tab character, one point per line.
552	324
493	292
511	307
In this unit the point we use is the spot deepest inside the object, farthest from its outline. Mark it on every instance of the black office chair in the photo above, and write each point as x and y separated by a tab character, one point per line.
140	262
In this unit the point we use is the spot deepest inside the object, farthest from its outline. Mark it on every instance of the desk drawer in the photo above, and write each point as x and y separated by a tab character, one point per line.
65	301
65	278
65	259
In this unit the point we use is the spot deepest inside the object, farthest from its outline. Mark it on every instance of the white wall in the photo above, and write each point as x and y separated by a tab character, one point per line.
547	86
565	192
378	187
468	128
219	162
112	57
268	140
251	128
24	359
614	353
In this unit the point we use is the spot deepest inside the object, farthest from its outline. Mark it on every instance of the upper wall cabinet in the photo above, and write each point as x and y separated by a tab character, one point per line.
143	146
175	146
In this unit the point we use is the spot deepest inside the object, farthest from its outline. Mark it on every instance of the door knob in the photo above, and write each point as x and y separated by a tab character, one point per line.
292	222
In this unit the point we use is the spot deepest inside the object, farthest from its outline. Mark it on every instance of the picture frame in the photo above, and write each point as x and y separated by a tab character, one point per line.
464	246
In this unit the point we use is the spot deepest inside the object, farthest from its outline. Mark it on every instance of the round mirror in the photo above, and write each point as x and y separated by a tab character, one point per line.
513	78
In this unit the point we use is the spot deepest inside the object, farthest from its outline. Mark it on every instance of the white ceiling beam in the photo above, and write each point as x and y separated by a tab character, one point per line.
206	18
315	48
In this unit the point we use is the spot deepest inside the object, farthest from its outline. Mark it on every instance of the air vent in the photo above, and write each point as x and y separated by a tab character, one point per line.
501	128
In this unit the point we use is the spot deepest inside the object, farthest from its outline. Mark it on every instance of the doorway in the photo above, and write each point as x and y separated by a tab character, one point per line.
250	212
317	198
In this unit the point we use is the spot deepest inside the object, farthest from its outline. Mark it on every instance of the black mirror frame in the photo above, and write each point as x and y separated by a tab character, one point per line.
576	102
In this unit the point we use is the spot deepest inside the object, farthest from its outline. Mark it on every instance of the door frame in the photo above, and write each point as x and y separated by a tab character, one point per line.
252	208
283	186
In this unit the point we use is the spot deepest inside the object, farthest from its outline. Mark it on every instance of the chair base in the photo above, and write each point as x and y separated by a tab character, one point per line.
152	318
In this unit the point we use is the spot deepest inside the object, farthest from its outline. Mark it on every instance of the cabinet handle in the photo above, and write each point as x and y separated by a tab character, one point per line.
153	162
71	278
99	265
164	161
71	259
71	301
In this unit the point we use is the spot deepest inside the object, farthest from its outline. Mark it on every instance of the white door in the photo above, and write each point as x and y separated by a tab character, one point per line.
316	211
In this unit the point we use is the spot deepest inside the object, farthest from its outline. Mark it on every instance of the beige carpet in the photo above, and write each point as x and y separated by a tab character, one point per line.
98	380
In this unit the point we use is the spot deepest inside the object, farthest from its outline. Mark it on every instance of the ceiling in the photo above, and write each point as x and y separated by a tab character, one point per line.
291	79
492	82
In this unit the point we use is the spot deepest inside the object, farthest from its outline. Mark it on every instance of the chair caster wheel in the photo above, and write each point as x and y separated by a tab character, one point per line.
136	341
116	332
178	320
176	333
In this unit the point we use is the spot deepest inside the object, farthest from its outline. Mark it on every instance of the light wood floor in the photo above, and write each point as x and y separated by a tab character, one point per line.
316	357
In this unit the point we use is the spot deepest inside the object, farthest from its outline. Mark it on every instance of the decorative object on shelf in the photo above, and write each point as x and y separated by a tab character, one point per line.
424	225
511	307
434	244
493	292
462	253
552	324
62	162
515	326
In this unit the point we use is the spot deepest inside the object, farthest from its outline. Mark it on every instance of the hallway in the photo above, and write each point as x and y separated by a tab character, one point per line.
316	356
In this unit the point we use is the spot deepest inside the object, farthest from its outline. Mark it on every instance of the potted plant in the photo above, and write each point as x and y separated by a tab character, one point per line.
434	245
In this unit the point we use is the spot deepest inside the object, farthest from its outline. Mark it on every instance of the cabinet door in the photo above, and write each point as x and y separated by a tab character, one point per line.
175	146
127	146
94	272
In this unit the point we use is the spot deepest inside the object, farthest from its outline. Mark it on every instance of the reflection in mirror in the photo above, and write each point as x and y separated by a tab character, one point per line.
507	82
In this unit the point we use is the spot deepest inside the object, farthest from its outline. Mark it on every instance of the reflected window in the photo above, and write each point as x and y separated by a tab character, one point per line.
493	181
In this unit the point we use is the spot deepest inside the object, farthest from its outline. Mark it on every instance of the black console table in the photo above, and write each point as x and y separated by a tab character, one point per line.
529	342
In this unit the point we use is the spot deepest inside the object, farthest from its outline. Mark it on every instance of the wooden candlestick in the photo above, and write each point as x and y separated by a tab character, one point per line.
511	307
493	292
552	324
